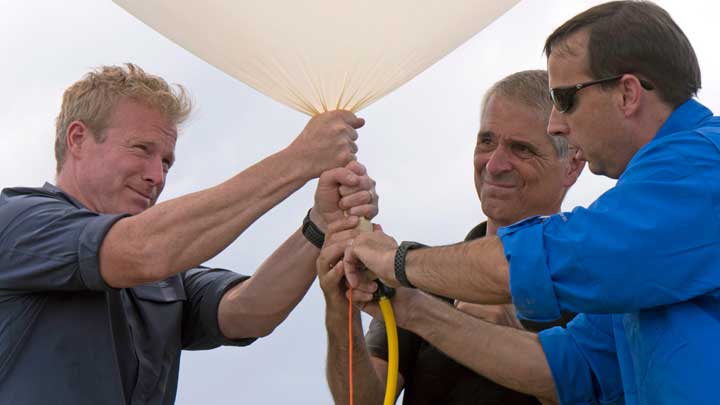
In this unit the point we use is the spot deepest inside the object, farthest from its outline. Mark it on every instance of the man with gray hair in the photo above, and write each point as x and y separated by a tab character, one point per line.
100	288
520	171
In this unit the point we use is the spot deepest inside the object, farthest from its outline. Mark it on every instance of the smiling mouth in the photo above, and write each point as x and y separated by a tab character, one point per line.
487	183
145	196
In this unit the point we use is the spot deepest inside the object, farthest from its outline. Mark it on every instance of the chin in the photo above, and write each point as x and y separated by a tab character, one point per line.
132	209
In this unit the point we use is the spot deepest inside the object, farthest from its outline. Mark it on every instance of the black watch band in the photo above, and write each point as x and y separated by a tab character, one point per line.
311	231
400	254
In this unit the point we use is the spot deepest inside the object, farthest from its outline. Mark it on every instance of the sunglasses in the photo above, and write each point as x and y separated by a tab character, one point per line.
564	97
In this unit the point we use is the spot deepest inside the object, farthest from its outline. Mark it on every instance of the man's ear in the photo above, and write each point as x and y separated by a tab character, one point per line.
77	135
575	166
632	92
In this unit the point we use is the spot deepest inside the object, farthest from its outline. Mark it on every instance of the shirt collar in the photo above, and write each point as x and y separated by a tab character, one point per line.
55	190
688	115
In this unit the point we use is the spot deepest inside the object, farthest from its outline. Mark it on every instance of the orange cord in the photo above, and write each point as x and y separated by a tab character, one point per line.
350	344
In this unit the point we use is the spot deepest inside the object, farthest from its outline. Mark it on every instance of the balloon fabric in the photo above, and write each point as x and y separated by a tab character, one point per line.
319	55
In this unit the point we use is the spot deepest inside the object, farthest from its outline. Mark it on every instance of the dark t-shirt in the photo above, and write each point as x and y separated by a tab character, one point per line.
66	337
433	378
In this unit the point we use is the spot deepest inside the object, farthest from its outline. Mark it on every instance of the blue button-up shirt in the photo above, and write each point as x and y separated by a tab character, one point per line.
643	263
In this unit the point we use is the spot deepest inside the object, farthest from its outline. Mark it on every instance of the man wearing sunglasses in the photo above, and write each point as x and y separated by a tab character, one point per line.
642	263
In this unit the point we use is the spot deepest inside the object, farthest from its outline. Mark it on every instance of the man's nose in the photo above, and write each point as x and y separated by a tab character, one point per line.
499	161
558	125
155	171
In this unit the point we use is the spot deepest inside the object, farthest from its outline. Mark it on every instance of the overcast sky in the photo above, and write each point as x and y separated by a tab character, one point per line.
417	144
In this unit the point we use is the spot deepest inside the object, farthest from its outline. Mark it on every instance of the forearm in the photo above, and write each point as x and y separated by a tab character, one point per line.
184	232
257	306
367	384
475	271
511	357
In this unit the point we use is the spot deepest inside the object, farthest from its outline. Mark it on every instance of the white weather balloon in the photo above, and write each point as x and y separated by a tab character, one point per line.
319	55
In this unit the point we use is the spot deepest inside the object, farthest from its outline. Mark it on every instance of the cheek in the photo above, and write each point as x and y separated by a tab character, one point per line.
479	162
537	176
546	185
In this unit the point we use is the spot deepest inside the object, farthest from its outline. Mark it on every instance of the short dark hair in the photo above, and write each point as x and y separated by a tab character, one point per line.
637	37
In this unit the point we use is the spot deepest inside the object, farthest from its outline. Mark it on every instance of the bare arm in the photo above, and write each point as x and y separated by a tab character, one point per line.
184	232
369	373
255	307
509	356
475	271
258	305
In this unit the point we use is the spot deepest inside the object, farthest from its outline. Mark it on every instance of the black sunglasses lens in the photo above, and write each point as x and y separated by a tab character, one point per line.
563	98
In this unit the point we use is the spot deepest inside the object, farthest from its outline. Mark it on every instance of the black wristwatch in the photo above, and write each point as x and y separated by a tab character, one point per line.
311	231
400	262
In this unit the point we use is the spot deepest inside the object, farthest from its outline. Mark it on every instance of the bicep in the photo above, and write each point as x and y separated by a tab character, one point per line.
125	259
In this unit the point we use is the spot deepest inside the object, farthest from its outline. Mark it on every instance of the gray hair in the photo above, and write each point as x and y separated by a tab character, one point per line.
529	87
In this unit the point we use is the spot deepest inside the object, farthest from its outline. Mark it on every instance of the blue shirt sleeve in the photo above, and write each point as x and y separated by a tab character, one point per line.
651	240
583	361
47	244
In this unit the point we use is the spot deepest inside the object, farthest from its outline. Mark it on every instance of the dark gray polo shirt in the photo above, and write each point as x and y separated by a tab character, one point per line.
66	337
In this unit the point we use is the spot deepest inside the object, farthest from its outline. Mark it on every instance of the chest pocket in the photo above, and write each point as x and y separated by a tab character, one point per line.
155	313
169	290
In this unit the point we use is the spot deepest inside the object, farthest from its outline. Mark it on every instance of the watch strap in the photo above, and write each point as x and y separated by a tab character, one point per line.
311	231
400	254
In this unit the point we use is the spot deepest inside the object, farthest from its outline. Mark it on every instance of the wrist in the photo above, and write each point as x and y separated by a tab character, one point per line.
296	163
312	232
318	220
400	262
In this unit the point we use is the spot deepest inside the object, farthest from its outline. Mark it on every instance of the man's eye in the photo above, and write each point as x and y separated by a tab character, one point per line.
485	142
523	150
141	147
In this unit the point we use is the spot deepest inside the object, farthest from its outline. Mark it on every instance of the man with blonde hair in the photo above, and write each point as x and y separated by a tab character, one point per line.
100	288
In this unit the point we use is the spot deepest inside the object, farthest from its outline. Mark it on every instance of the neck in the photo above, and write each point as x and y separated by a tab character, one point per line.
650	121
492	227
66	182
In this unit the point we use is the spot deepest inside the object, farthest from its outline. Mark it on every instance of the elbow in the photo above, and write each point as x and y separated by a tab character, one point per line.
548	395
252	330
240	317
265	330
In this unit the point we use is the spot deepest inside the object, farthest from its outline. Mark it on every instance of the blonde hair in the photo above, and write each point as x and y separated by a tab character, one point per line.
92	99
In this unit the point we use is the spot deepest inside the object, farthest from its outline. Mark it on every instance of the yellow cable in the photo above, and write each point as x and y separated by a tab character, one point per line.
392	337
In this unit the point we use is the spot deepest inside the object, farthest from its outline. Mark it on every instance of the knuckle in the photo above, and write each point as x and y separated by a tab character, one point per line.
340	128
